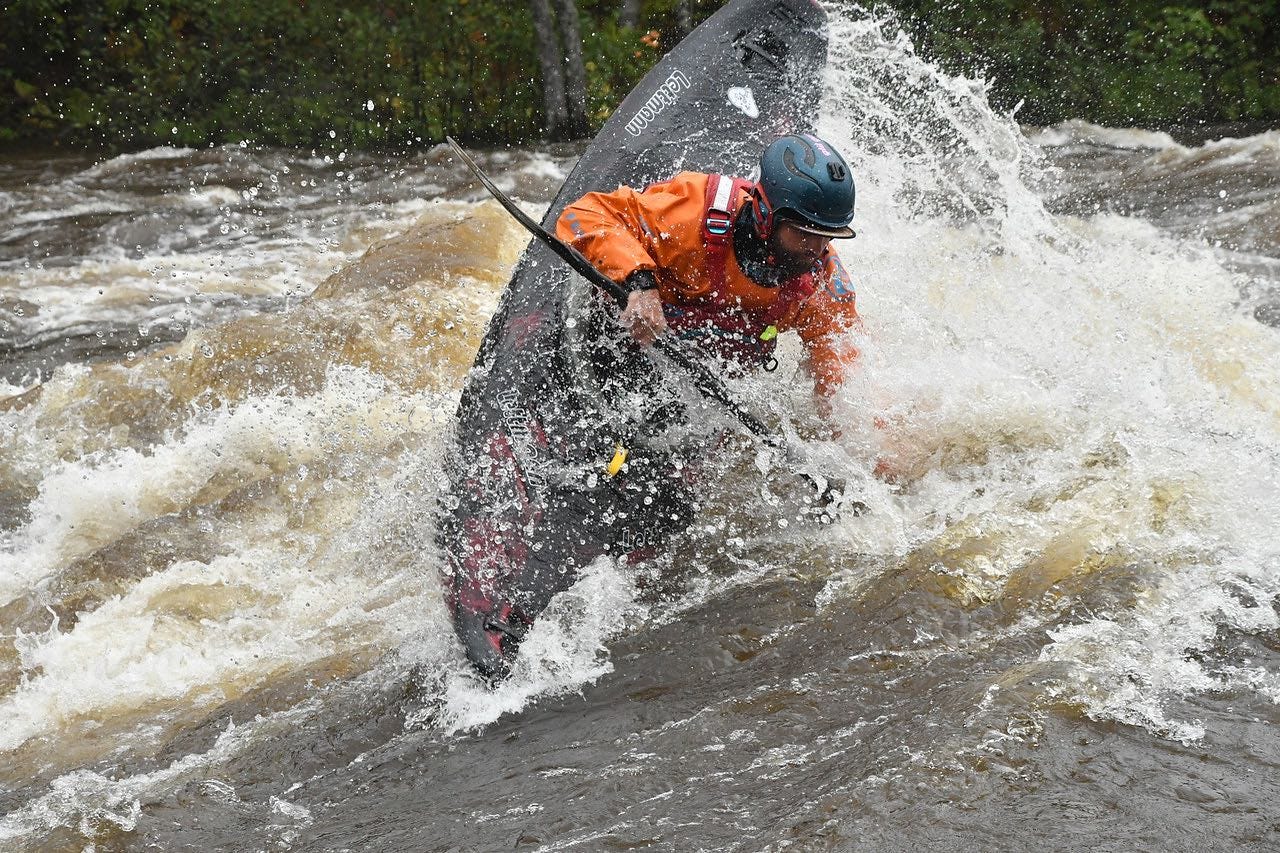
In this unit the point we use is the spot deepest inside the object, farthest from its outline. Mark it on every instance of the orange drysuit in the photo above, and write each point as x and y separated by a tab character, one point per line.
664	229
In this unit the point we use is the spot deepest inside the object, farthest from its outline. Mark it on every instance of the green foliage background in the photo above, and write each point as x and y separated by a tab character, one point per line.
134	73
1153	63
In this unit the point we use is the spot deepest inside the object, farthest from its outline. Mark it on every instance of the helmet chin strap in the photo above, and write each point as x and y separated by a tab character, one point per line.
762	215
754	254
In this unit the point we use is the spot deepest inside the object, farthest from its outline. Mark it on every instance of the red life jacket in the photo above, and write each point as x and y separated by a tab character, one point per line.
724	328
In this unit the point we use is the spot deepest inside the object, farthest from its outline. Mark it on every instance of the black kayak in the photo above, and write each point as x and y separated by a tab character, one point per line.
563	448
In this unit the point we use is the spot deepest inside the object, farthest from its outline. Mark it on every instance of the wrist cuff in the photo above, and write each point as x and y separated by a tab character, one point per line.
641	280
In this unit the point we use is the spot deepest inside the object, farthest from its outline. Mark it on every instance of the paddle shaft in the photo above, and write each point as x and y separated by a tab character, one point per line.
703	379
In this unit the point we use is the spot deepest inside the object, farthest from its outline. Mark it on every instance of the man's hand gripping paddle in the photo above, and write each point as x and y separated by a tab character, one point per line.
830	494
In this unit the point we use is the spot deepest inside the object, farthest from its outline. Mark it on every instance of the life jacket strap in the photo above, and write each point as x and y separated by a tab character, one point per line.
719	218
717	225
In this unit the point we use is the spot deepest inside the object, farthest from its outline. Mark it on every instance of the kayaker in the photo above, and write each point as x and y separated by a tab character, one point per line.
725	263
728	263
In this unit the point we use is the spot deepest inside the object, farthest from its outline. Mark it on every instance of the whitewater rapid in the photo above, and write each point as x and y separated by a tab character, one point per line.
231	372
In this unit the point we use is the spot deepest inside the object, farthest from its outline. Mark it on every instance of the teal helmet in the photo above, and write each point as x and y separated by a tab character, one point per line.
804	181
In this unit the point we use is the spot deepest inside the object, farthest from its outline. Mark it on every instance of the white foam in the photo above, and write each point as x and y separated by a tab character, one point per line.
86	503
93	801
210	196
1249	152
1006	348
86	208
276	599
1077	131
124	161
544	166
564	651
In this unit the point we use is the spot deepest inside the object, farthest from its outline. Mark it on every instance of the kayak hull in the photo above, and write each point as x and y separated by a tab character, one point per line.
556	391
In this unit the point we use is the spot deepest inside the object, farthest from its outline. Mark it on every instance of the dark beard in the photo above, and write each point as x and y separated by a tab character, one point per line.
760	261
789	266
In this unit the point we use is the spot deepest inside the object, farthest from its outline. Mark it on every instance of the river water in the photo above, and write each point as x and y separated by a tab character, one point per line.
229	374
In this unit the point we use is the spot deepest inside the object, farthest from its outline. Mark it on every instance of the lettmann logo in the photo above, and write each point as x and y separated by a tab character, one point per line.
668	93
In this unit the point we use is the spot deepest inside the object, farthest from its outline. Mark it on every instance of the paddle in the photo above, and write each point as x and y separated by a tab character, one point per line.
703	379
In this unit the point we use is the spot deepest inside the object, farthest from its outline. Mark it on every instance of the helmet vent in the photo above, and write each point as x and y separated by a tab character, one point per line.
789	160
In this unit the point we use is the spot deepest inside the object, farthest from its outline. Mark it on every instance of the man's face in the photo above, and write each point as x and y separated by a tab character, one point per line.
796	251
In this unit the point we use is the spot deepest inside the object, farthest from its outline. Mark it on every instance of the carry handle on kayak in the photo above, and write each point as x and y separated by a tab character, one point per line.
703	379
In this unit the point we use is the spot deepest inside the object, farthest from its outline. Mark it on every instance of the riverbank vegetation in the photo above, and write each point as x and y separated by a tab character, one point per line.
387	74
1152	63
398	73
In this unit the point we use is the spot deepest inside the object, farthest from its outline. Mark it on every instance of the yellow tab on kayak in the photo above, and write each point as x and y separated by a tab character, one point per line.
769	334
615	464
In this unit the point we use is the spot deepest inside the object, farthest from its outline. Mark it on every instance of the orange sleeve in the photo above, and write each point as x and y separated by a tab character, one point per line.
824	322
624	230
